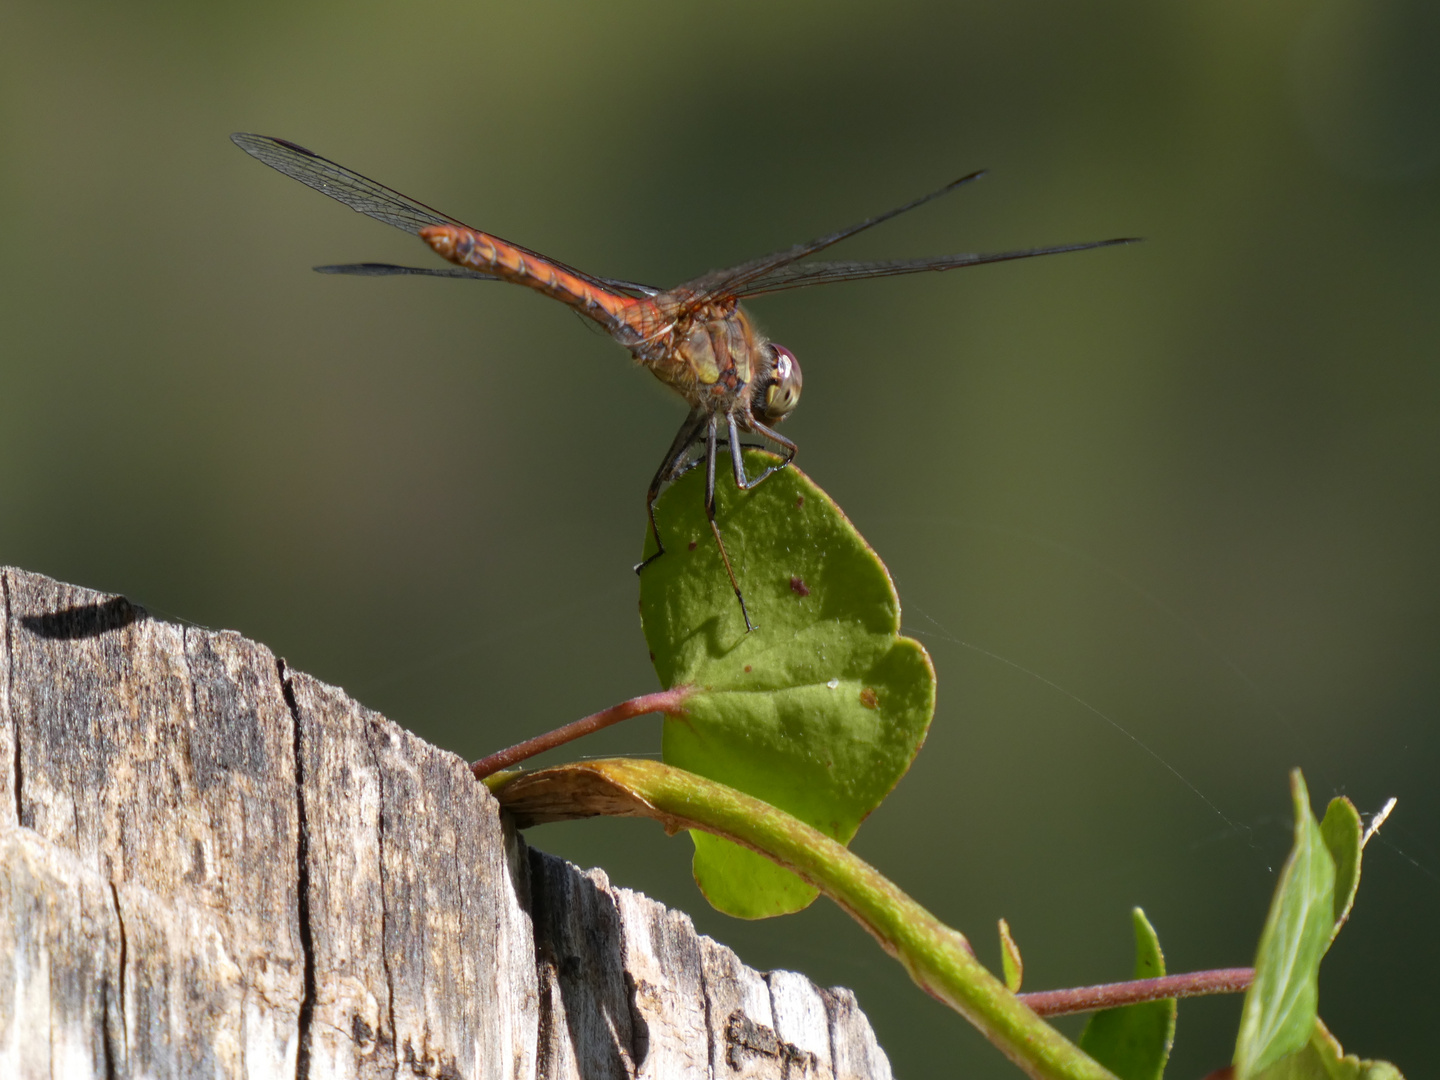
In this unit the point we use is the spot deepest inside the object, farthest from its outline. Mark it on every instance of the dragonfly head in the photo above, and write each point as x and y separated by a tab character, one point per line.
778	390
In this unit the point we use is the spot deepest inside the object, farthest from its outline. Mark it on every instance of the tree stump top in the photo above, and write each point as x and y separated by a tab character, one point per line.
212	865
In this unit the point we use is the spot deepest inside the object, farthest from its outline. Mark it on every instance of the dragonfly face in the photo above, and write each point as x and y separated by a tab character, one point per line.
695	337
778	391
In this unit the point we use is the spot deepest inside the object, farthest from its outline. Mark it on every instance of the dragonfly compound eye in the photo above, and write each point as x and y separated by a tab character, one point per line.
779	391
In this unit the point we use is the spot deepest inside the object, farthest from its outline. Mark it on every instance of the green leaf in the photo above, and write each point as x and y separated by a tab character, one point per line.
1010	962
821	709
1279	1012
1342	830
1323	1059
1134	1042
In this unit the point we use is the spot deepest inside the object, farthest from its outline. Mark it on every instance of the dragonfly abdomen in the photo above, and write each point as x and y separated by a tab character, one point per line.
480	251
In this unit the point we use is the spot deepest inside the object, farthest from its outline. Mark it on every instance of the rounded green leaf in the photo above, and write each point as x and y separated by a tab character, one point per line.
820	710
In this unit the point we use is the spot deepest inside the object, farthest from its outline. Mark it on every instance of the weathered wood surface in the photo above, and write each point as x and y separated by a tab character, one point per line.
211	865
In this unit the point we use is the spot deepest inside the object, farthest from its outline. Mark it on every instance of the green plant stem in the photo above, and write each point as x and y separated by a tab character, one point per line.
666	701
937	957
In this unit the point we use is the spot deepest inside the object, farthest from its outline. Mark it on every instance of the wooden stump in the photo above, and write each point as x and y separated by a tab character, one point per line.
211	865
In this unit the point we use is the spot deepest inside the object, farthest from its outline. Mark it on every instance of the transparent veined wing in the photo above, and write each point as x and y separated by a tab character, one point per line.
731	282
372	199
800	275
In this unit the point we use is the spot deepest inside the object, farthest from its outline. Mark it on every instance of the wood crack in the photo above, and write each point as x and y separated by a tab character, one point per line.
17	765
302	849
831	1008
710	1048
108	1034
384	904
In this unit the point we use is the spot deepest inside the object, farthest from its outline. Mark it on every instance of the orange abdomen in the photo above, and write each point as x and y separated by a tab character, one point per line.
480	251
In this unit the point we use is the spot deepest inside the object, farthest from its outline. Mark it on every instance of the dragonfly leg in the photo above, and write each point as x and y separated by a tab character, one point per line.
672	467
711	437
741	480
758	444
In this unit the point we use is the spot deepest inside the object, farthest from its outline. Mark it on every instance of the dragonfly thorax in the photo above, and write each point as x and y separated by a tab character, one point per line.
721	364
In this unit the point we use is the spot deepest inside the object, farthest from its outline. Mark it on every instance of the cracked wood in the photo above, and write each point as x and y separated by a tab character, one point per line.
213	865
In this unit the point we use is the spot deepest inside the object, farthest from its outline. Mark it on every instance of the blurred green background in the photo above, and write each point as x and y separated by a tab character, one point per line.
1166	516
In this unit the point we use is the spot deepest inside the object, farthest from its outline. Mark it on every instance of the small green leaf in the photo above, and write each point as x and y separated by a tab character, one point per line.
821	709
1342	830
1010	962
1279	1012
1323	1059
1134	1042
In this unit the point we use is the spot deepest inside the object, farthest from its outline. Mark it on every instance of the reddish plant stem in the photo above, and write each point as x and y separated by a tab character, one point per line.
1111	995
666	701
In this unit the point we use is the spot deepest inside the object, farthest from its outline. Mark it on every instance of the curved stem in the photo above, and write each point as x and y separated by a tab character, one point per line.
667	701
937	957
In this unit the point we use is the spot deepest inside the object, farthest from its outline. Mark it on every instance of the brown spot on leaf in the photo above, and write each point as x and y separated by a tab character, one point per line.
869	698
747	669
693	543
798	586
799	502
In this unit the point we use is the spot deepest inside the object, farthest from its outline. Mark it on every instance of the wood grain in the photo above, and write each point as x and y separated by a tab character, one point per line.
211	865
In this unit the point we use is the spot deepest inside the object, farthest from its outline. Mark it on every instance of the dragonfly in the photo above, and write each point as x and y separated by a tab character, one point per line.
694	337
